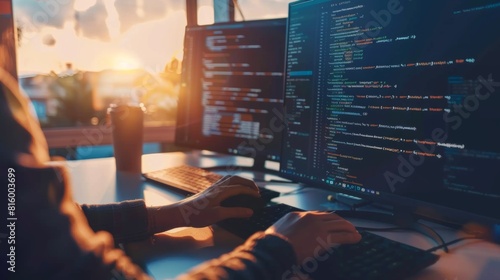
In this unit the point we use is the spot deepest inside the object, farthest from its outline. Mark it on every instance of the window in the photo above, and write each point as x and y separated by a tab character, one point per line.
262	9
77	57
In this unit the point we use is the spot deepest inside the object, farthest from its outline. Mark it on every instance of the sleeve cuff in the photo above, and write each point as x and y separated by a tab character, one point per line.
276	248
126	221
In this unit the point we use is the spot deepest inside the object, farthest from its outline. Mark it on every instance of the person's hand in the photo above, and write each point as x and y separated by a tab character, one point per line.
204	208
313	234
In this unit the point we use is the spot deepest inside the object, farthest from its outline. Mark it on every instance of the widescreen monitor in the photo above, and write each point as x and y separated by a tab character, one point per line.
397	102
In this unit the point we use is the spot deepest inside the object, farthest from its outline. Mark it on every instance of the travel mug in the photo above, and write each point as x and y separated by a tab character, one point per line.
127	122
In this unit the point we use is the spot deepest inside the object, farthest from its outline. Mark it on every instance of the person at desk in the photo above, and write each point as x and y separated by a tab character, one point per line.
55	238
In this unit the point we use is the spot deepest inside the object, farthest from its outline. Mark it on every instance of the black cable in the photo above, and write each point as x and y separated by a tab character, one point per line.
237	6
415	226
451	242
429	231
406	222
444	245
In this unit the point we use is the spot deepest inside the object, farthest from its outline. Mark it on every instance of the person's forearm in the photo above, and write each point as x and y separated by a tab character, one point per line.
126	221
261	257
163	218
132	220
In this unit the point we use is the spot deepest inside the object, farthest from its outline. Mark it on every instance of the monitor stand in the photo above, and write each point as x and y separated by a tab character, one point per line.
351	201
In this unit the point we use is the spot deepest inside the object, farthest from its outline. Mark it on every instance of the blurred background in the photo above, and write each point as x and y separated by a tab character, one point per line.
75	57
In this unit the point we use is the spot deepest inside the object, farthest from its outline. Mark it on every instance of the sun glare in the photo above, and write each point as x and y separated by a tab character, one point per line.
124	61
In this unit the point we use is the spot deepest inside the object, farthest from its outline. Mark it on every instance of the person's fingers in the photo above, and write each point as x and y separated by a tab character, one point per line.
237	180
343	237
317	216
328	221
102	238
339	225
224	192
291	217
325	215
233	212
332	215
222	180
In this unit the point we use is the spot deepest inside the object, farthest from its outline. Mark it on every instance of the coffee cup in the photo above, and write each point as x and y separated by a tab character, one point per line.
127	122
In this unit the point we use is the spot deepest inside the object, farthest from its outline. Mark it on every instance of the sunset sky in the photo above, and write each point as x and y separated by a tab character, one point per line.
112	34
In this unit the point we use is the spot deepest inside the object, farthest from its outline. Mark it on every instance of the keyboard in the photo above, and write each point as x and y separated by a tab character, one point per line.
191	180
374	257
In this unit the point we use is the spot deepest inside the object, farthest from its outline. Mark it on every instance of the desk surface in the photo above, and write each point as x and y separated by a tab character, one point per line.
178	250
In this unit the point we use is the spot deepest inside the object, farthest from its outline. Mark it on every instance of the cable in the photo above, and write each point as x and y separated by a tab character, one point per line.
429	231
451	242
401	221
415	226
237	6
476	235
443	246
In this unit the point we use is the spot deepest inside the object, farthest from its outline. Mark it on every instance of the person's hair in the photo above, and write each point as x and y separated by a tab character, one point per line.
7	47
23	136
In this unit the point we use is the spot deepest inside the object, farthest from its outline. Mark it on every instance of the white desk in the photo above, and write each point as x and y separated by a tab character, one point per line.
176	251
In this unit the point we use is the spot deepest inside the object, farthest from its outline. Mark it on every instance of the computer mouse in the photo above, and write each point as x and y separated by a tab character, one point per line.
237	180
244	200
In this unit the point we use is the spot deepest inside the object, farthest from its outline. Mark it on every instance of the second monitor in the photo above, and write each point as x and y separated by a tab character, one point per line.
232	89
396	103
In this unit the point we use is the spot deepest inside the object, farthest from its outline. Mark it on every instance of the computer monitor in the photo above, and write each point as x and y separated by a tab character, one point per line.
231	97
397	102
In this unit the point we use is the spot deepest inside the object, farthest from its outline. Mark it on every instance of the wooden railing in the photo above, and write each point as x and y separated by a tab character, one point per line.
101	135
